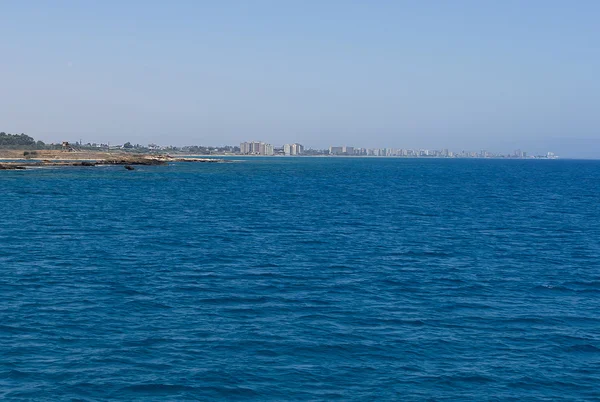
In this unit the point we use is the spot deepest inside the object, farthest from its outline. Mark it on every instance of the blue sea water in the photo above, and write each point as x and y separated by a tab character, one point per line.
302	279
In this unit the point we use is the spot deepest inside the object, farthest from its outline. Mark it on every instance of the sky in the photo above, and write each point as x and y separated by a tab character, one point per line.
472	75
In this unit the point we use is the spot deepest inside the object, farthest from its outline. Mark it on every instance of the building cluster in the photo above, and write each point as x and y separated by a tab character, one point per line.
293	149
417	153
262	148
345	150
256	148
341	150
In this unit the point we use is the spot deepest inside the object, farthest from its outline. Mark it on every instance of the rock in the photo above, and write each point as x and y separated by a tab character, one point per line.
11	167
128	167
134	161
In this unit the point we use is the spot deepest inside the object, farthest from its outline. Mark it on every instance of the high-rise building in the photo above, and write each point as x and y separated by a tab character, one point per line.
336	150
256	148
293	149
297	149
266	149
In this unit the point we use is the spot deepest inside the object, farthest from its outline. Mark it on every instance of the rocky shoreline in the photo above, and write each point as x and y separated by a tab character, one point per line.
124	160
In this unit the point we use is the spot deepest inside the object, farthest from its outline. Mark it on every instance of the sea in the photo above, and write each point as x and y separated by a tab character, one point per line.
280	279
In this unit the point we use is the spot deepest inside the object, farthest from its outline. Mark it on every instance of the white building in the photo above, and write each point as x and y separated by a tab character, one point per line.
336	150
256	148
293	149
297	149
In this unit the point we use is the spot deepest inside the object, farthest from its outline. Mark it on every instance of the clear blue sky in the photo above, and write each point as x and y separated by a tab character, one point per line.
495	75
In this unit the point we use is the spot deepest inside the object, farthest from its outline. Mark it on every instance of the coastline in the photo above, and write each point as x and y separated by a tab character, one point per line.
18	160
24	157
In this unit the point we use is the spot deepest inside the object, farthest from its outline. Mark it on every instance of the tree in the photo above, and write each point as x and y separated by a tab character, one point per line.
18	141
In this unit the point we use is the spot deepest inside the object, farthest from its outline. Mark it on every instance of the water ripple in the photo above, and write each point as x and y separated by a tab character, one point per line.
302	279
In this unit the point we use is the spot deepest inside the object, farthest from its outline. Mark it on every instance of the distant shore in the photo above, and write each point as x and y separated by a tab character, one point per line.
22	158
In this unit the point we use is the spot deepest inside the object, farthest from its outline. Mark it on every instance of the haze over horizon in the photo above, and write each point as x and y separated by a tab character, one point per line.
462	75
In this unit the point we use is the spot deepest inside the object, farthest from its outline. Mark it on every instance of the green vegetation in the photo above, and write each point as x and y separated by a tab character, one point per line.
19	141
29	155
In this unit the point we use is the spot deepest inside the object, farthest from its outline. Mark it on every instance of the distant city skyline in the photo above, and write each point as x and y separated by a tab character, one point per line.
267	149
258	147
462	75
297	149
